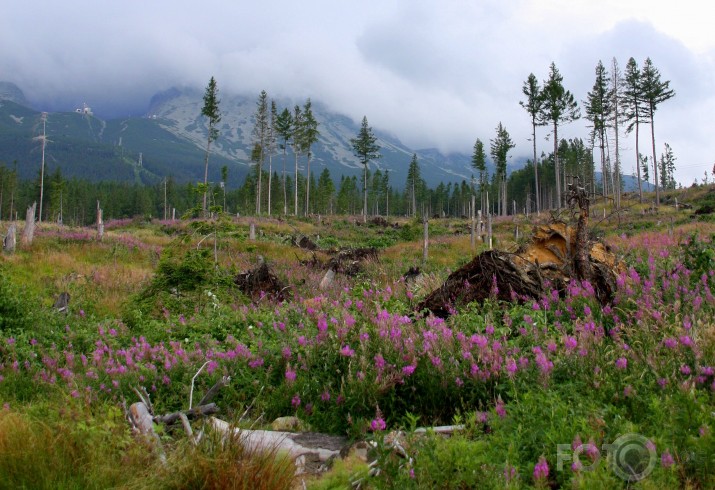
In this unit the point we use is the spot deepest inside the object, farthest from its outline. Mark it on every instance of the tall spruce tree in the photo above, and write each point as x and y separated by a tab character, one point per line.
365	147
309	136
261	129
211	110
499	150
479	162
667	168
559	108
284	123
533	105
654	92
297	135
617	113
635	111
598	109
271	147
413	183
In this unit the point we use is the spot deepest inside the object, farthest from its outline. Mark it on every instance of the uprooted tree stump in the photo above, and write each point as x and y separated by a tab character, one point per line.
556	254
349	261
261	282
304	242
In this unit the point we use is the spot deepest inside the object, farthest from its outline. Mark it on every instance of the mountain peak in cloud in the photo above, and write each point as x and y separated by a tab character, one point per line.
10	91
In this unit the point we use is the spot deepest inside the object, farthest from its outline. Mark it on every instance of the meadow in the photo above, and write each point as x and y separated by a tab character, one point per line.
558	392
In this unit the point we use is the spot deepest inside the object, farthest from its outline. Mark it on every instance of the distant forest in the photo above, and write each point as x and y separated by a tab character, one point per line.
620	102
74	201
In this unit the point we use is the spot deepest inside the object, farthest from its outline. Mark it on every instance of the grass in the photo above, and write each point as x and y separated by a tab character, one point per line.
338	357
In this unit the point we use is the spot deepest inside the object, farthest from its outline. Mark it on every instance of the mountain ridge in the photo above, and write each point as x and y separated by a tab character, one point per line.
171	139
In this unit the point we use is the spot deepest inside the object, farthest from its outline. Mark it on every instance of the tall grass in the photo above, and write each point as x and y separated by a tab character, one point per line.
68	447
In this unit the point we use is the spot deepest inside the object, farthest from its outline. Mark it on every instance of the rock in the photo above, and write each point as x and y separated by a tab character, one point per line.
288	424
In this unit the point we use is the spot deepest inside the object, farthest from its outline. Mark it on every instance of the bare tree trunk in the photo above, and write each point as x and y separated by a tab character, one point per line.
307	187
536	170
29	232
100	223
295	184
655	160
425	247
206	170
10	240
270	181
556	166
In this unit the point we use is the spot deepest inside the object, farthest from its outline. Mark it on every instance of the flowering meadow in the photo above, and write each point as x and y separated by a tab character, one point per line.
544	389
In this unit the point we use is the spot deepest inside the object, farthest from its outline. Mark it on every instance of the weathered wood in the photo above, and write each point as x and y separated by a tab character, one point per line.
201	410
308	450
327	279
425	248
100	223
10	241
29	232
141	419
62	302
224	381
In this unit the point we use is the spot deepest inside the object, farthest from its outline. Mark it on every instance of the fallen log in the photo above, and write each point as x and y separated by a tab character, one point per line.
310	451
200	411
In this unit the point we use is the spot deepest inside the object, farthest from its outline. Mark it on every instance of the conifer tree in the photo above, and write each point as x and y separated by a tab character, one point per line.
365	147
598	111
654	92
271	147
309	136
260	141
284	123
500	147
413	183
479	162
533	105
296	134
559	108
635	111
211	111
667	168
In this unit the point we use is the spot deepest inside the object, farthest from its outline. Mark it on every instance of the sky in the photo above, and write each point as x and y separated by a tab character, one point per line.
434	73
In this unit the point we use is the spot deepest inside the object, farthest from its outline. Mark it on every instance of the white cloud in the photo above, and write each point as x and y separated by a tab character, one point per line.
434	73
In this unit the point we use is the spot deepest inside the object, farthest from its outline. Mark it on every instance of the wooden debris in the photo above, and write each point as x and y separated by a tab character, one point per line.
310	451
62	302
556	254
261	282
349	261
200	411
304	242
9	240
28	233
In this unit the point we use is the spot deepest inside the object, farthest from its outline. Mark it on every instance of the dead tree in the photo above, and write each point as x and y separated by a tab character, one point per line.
578	197
9	241
29	231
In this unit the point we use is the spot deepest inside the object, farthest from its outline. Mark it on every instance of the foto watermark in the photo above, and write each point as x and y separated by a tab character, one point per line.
631	457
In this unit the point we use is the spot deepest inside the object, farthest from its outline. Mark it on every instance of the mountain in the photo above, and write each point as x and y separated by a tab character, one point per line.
171	138
179	112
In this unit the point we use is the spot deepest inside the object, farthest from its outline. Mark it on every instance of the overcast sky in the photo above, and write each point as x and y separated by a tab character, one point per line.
434	73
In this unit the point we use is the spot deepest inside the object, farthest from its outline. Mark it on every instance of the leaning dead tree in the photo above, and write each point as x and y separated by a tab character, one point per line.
556	254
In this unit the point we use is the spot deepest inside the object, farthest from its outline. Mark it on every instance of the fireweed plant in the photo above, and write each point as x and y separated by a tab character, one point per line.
357	360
